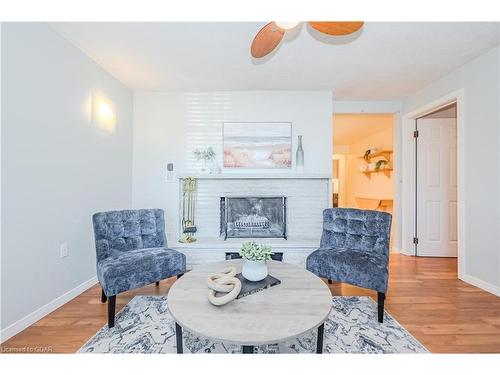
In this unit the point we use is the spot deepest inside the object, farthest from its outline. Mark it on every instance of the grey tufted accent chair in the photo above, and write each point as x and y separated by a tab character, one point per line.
132	252
354	249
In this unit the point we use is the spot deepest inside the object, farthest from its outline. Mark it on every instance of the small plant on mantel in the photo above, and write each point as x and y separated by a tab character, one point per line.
207	155
255	252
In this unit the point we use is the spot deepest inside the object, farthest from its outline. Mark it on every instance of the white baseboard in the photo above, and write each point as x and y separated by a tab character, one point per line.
404	251
38	314
396	250
480	284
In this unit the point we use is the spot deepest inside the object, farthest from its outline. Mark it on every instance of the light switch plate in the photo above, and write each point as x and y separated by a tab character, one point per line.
64	250
170	172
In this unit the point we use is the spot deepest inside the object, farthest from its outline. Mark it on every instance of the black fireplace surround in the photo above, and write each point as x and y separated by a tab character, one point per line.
253	217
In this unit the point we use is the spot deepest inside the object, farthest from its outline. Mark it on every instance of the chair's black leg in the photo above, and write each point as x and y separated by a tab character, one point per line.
103	297
111	311
180	275
178	338
248	349
329	281
157	283
319	344
380	300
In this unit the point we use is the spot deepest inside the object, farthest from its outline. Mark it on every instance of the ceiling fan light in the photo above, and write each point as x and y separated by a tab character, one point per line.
286	25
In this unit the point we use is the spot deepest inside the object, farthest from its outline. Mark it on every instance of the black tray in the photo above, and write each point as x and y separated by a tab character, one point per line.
251	287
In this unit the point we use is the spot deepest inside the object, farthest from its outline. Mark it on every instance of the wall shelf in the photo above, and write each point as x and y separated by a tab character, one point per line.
386	171
380	155
377	171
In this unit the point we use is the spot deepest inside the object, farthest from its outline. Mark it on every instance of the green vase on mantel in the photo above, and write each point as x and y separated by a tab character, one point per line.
299	157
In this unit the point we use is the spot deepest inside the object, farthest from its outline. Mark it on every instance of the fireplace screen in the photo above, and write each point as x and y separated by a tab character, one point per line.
253	217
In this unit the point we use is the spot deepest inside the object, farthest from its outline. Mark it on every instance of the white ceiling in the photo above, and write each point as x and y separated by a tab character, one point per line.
385	61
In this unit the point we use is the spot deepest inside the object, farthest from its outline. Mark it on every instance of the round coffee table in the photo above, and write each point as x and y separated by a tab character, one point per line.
299	304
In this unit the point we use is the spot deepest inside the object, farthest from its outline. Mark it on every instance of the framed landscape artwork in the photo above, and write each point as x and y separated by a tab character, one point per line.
257	145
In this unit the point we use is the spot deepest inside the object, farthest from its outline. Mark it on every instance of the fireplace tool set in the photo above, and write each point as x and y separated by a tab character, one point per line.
188	209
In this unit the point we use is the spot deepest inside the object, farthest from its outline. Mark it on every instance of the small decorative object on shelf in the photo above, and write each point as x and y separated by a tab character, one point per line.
369	153
381	164
299	156
208	157
188	209
255	257
223	282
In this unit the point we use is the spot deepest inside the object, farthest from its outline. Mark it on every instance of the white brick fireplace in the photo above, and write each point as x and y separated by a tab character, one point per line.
307	196
169	126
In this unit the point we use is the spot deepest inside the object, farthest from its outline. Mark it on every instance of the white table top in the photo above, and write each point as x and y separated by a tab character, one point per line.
299	304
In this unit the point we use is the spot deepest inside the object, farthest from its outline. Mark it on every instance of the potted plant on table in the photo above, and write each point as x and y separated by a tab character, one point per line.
255	257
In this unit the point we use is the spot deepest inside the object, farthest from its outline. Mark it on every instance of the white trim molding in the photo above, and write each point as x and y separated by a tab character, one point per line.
408	192
256	176
43	311
397	250
481	284
499	155
366	107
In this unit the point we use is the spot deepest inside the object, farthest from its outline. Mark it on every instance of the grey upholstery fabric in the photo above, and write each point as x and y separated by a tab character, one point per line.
354	248
132	250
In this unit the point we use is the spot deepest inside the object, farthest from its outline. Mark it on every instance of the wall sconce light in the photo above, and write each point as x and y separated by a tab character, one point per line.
103	112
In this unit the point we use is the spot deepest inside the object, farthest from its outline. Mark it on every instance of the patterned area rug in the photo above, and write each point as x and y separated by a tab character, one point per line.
145	325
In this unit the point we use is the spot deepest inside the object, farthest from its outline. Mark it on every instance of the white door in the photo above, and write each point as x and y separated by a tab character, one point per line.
437	187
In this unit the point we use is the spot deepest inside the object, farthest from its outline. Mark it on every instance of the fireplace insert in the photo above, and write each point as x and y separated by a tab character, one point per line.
253	217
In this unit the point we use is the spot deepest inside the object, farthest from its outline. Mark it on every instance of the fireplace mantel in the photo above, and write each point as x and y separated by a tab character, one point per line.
256	176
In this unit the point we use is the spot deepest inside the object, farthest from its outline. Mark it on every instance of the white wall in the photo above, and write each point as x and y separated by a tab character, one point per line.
169	126
1	201
58	168
479	80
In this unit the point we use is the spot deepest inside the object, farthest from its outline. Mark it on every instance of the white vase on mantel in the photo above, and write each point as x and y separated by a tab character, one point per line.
254	270
204	169
299	157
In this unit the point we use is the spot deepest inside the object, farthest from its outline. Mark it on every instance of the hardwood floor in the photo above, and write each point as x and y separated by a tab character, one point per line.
425	296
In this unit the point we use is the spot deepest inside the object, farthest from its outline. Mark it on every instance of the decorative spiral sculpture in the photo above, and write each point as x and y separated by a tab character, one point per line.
223	282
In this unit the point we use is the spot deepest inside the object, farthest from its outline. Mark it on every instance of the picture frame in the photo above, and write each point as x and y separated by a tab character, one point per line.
257	145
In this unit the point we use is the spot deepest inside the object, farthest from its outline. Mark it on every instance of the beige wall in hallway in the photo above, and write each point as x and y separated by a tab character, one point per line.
377	185
357	133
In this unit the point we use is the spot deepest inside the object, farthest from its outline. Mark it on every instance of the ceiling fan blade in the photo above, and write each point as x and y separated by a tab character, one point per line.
336	28
266	40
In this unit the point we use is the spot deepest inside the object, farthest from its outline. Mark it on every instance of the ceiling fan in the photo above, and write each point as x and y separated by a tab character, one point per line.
268	38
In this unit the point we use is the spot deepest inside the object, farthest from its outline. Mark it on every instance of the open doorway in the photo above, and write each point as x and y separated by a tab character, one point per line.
436	232
411	238
363	162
